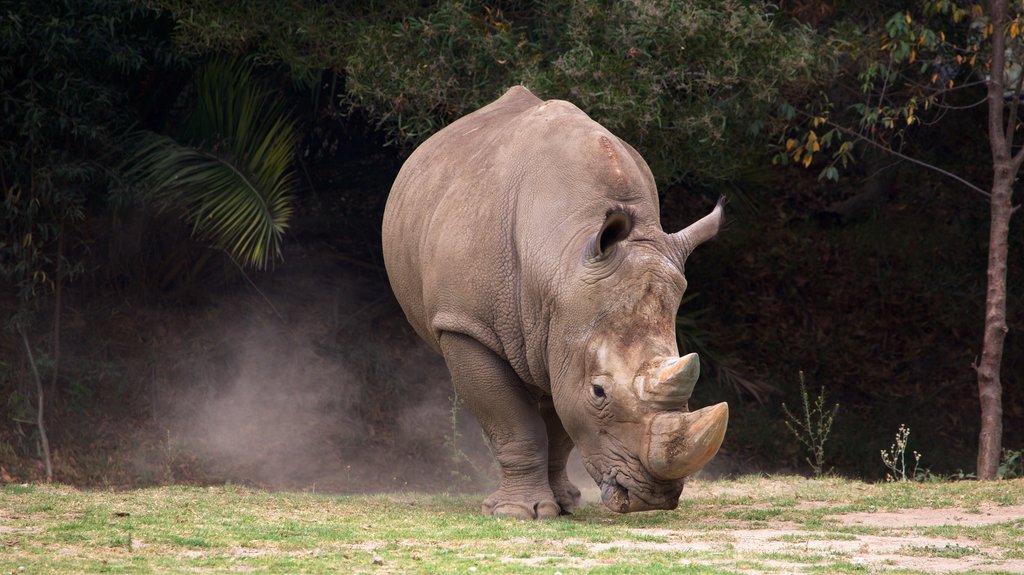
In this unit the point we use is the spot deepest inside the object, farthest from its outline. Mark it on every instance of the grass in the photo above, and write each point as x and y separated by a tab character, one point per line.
750	525
953	551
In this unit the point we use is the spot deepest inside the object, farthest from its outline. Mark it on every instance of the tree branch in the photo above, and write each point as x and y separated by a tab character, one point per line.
40	420
910	159
1011	122
967	107
996	88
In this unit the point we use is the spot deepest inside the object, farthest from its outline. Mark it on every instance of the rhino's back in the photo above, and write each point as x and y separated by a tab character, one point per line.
443	249
490	215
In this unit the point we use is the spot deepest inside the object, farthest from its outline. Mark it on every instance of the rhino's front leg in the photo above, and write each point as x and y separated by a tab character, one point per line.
509	418
559	446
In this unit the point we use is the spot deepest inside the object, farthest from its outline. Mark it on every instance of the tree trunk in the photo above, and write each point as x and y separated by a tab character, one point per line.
1004	171
990	389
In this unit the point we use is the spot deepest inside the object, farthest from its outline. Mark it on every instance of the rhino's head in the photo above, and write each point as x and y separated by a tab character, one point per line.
623	390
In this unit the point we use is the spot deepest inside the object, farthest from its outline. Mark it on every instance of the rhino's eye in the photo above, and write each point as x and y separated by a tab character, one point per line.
598	390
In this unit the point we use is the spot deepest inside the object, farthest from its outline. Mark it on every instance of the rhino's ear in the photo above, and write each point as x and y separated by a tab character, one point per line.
617	225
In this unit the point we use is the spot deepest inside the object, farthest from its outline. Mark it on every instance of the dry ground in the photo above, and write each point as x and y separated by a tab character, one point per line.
750	525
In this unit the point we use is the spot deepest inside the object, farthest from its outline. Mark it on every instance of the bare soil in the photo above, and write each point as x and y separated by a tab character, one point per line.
899	541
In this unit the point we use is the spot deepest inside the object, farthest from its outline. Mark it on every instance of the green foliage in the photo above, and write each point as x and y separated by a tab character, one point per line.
690	84
1012	464
67	69
813	427
687	83
232	177
927	59
306	36
416	75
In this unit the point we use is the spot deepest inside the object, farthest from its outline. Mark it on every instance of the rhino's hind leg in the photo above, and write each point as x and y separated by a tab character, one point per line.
509	418
559	446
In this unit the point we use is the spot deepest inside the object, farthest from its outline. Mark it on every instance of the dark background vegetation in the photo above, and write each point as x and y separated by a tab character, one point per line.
177	364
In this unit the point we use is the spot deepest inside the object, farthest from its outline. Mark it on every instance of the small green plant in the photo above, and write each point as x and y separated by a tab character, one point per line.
949	551
895	458
1012	464
458	458
812	429
170	451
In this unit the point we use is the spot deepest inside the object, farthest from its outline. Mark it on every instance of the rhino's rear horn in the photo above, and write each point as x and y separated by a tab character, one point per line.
680	443
671	380
699	232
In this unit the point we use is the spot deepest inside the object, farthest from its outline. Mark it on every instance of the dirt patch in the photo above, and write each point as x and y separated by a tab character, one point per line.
934	517
903	548
900	545
878	552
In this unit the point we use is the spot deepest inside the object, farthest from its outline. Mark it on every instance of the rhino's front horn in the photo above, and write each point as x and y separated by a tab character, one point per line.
672	380
681	443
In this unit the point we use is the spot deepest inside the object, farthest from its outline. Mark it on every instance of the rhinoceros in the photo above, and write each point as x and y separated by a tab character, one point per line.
524	245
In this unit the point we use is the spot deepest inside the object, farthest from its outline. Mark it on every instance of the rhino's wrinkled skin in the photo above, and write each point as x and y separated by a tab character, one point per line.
523	242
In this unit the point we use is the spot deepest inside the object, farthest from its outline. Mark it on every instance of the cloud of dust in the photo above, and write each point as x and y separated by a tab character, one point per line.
315	382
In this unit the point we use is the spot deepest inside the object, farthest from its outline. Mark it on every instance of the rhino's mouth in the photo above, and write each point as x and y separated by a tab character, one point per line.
619	495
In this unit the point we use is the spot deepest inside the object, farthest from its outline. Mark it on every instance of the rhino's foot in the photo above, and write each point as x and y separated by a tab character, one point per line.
505	505
566	494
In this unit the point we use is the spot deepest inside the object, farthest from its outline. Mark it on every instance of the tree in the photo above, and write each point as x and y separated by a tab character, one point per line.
1005	167
67	69
933	56
689	83
231	175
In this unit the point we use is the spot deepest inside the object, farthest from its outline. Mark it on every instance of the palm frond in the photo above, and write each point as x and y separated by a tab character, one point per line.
230	174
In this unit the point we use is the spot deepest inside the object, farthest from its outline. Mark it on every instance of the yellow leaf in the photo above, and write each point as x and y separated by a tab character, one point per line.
977	11
913	56
807	159
790	144
949	85
1014	29
942	35
815	146
907	17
